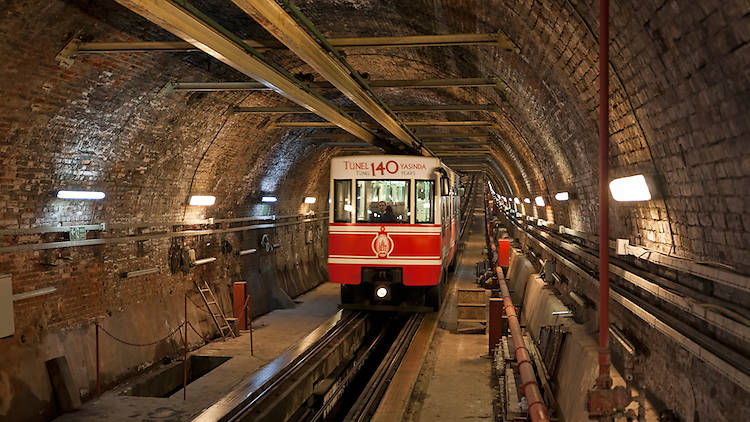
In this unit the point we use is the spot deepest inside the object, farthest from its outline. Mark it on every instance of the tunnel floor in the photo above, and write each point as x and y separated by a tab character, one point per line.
454	383
273	333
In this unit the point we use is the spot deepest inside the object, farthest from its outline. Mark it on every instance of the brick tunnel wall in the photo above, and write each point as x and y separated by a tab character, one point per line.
679	91
99	123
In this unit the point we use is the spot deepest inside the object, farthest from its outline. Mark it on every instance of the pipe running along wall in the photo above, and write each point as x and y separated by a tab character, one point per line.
529	388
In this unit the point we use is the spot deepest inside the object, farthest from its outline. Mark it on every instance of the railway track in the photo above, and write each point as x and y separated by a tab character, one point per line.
713	329
339	375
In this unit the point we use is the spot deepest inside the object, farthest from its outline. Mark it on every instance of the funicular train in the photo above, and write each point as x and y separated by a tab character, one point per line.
393	230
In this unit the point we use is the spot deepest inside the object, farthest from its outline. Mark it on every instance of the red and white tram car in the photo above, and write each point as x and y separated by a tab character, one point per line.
393	228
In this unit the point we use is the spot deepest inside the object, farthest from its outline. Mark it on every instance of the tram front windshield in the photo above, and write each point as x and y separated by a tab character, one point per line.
383	201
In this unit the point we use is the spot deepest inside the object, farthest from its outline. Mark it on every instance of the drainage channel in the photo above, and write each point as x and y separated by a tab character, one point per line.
340	376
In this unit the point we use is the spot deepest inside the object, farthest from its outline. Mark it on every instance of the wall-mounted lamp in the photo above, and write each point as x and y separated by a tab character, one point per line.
562	196
79	194
539	201
268	199
630	189
202	200
527	200
310	199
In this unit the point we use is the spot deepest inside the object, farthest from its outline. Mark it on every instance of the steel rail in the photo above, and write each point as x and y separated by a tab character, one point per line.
699	344
271	389
345	380
367	402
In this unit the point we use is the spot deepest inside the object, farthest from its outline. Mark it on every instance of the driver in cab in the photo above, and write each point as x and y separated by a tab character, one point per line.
384	215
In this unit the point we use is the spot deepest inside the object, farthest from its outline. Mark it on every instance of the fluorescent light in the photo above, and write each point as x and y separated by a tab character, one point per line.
202	200
539	201
632	188
516	200
268	199
79	194
562	196
527	200
348	208
310	199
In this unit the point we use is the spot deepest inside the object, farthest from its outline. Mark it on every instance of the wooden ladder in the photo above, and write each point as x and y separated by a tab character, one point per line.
217	314
471	310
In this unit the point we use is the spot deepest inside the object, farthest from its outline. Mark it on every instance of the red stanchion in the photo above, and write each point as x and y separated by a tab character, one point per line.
98	384
184	361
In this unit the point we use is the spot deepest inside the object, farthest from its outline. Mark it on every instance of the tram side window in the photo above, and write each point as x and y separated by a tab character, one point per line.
342	201
383	201
425	203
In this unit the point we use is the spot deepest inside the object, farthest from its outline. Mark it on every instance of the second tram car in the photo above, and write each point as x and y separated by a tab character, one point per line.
393	229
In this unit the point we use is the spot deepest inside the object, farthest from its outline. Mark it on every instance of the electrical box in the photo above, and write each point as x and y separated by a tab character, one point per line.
7	326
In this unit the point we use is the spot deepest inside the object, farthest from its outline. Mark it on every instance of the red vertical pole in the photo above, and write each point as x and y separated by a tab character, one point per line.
604	380
250	325
98	385
239	308
184	360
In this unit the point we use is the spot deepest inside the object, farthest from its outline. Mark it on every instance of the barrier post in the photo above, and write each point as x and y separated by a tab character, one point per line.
184	360
239	307
98	385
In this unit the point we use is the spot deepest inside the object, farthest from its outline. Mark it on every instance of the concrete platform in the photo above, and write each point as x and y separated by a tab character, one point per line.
274	333
454	384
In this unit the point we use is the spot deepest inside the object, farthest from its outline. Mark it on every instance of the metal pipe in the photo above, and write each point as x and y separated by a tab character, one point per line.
184	359
400	108
604	380
98	383
137	273
203	261
500	40
529	388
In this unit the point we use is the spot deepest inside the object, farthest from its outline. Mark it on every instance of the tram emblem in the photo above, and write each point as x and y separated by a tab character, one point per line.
382	244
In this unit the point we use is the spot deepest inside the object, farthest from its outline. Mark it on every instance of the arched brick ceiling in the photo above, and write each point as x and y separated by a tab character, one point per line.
679	97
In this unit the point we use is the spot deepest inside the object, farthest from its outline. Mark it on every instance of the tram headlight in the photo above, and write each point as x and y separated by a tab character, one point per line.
382	292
